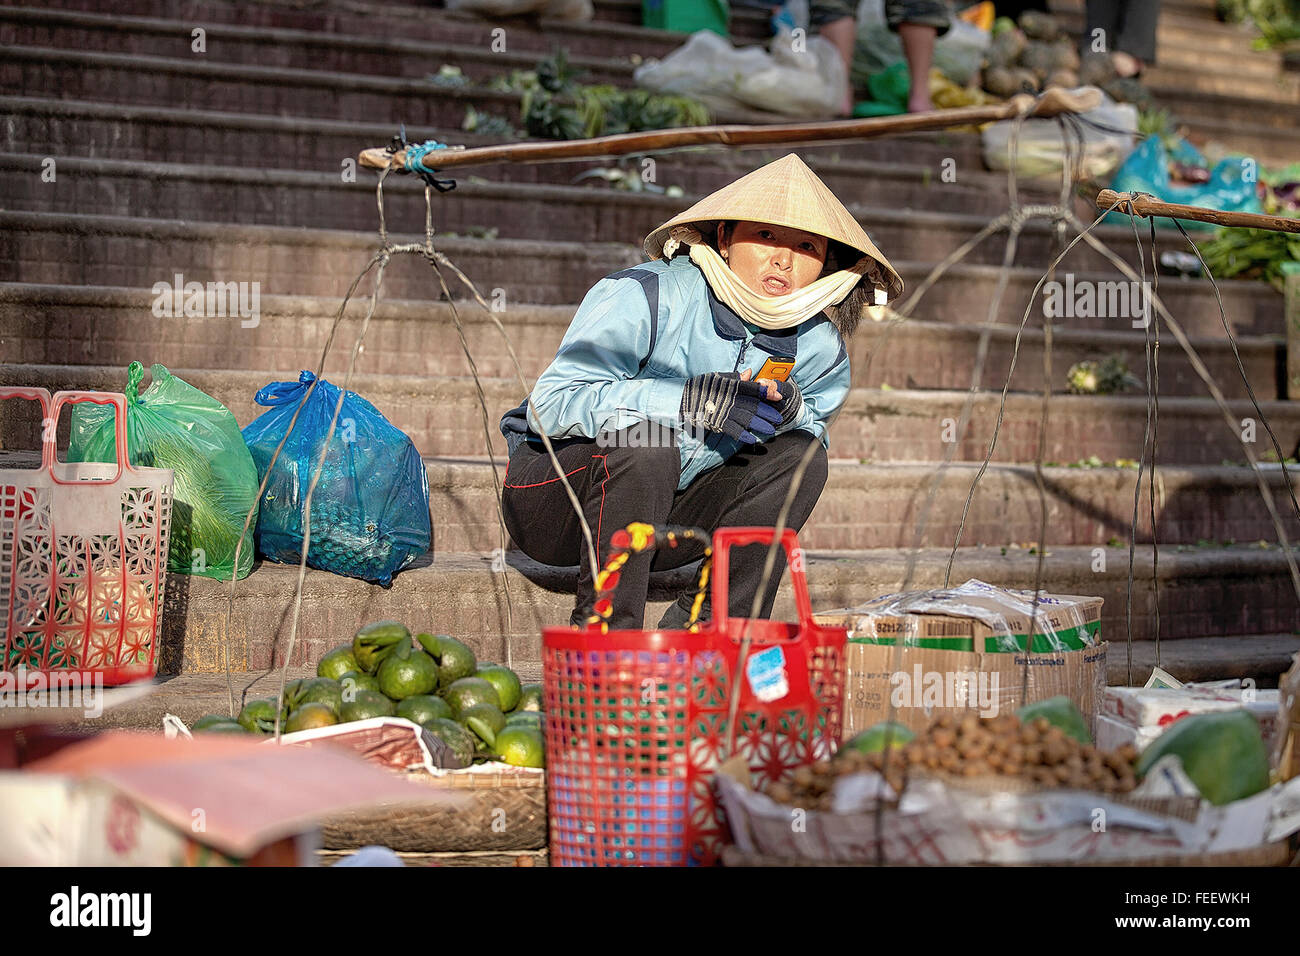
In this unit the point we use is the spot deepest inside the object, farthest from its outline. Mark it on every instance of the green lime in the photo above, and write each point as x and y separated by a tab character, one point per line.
207	720
217	724
484	720
337	662
353	681
455	660
376	641
524	718
368	703
258	716
311	715
530	698
505	681
521	747
469	691
319	690
423	708
407	673
459	740
229	727
872	740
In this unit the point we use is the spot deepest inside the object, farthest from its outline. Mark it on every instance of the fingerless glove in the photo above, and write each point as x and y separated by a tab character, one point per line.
721	402
791	404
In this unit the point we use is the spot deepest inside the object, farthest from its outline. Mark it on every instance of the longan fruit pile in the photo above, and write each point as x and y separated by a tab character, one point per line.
972	746
809	786
1040	752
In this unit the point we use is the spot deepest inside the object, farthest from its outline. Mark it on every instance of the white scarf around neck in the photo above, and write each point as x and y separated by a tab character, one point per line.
764	311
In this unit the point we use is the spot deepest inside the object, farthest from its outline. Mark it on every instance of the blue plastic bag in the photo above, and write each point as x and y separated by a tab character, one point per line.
1232	185
370	509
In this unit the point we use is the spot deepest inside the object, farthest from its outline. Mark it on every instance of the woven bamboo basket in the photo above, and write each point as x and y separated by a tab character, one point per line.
1270	854
506	811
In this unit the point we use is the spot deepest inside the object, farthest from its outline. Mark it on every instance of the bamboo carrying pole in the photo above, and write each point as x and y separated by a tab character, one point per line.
1146	206
1052	103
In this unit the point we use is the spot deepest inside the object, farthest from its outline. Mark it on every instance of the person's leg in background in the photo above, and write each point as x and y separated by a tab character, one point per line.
1129	30
748	489
918	23
619	481
918	47
1137	33
834	19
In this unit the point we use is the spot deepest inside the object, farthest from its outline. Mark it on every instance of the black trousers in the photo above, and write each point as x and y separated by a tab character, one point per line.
1130	26
618	484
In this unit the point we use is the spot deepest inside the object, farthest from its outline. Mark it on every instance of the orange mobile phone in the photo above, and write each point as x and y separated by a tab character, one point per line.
776	368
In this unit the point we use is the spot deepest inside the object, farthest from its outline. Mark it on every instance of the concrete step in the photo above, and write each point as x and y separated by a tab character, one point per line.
142	80
316	199
1276	88
218	192
76	325
442	417
1279	112
514	211
367	18
878	506
130	251
1184	34
1260	656
1204	659
925	355
1205	594
1199	30
51	248
164	81
295	49
83	128
1225	135
1205	9
1211	59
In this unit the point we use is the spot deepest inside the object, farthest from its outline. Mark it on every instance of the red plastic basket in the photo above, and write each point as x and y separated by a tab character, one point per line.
83	559
638	721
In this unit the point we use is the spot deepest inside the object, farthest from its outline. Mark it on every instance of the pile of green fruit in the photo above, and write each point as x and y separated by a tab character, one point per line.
480	711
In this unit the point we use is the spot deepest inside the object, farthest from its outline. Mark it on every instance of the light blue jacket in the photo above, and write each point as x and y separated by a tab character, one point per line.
641	333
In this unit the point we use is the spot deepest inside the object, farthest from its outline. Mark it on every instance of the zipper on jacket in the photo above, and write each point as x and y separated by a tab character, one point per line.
741	357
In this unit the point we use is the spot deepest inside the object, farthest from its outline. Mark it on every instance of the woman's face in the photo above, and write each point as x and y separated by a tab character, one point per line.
773	260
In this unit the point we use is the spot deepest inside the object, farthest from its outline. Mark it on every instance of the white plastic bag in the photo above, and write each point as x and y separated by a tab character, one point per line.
800	77
871	11
806	77
1041	151
959	53
558	9
706	67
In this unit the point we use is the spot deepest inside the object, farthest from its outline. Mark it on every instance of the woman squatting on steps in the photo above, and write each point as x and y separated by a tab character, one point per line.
686	389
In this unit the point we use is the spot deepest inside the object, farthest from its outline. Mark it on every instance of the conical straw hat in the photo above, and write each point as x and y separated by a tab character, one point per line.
784	193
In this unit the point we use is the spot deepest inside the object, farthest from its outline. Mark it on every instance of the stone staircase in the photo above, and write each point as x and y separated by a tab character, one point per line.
227	165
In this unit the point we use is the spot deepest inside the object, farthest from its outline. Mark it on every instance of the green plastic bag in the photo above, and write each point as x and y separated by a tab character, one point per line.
174	425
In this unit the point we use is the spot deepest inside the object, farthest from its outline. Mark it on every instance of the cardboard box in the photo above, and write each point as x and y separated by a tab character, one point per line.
975	617
1138	715
925	683
957	655
130	799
